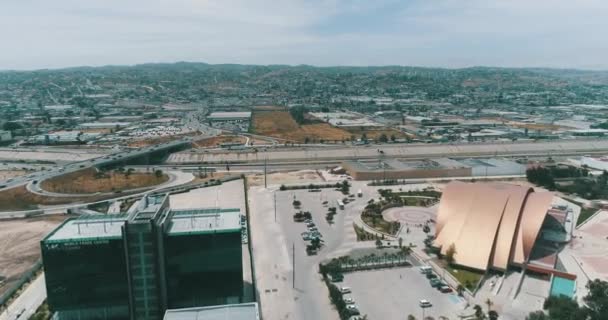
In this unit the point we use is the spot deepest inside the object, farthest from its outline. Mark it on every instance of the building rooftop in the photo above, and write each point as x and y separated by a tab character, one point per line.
394	164
229	115
200	221
242	311
96	227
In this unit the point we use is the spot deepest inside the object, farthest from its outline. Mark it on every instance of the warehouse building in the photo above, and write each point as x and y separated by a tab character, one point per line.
382	169
139	265
233	121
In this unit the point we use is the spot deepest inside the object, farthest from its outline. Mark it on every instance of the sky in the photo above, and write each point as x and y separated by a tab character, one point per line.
37	34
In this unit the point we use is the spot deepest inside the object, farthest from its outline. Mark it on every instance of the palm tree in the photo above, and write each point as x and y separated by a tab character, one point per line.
489	303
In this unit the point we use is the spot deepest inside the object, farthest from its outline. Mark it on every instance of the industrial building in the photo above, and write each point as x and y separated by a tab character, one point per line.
234	121
431	168
139	265
495	225
398	169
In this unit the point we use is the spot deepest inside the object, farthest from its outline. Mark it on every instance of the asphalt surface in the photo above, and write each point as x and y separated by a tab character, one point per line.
401	151
26	304
81	165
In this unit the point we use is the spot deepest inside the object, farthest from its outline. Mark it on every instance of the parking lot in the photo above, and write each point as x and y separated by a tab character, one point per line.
275	238
396	293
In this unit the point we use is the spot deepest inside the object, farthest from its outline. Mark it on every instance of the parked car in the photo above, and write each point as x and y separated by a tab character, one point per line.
345	290
336	277
425	303
445	289
353	309
436	283
431	275
426	269
349	300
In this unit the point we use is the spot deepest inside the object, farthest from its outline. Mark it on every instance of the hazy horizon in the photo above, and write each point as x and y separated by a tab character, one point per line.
453	34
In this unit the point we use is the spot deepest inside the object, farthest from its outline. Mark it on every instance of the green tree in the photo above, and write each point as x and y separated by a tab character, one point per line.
597	299
479	315
537	315
158	173
383	138
492	315
450	253
411	317
11	126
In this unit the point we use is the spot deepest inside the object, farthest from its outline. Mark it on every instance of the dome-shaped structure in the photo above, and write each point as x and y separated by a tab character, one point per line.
491	225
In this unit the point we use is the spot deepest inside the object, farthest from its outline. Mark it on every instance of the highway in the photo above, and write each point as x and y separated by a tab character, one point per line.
401	151
100	161
26	304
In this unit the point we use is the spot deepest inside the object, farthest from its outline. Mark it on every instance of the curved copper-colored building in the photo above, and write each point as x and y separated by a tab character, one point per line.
491	225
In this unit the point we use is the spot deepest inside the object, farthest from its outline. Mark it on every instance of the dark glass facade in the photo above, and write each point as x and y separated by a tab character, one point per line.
203	269
87	279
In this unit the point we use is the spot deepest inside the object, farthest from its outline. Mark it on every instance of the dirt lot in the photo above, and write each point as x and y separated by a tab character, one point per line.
280	124
159	140
216	141
20	245
89	181
19	198
376	133
293	177
538	126
7	174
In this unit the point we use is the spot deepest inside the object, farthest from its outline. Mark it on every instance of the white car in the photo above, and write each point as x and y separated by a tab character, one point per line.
345	290
425	304
349	300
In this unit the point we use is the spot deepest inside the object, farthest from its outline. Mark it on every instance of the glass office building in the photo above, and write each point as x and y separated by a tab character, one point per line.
137	266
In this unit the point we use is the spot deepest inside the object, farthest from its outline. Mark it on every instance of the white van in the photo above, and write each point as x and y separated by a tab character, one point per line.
426	269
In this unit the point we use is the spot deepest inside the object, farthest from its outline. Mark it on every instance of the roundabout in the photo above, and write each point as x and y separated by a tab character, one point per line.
409	215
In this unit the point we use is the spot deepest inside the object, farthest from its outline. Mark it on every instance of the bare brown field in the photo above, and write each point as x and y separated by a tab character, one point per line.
539	126
88	181
17	199
153	141
280	124
20	245
269	108
216	141
376	133
7	174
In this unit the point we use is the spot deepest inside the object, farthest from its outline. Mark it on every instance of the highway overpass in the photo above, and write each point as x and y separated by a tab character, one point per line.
400	151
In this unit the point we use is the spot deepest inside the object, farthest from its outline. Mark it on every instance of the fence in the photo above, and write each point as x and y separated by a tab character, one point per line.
29	275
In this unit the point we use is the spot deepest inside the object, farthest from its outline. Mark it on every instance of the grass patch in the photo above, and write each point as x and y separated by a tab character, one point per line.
378	223
468	278
585	213
92	181
363	235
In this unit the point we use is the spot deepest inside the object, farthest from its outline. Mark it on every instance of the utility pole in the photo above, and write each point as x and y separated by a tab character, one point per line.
265	173
293	259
